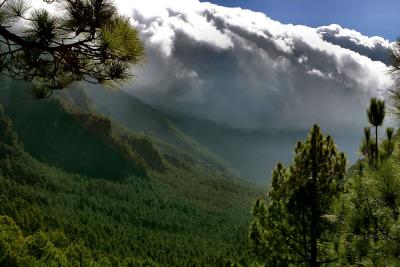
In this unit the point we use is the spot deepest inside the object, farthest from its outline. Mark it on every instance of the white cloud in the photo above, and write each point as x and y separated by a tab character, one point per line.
374	47
244	69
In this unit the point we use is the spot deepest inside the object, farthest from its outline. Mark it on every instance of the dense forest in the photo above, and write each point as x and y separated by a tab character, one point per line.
77	190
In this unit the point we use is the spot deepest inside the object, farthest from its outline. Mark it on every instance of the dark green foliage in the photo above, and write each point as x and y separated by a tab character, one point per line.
389	133
368	147
387	145
376	114
54	132
370	209
135	115
50	249
90	41
136	219
145	148
176	217
297	226
370	206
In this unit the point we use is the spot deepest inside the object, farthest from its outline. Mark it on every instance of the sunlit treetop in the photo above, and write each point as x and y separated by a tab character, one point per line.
85	40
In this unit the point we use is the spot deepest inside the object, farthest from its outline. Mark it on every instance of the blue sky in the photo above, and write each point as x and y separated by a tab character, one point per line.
370	17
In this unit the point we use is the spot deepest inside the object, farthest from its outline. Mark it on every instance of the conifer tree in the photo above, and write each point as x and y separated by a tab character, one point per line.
83	40
296	227
376	115
368	147
388	145
370	225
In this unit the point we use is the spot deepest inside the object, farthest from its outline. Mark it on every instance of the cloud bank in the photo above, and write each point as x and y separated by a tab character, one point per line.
376	48
241	68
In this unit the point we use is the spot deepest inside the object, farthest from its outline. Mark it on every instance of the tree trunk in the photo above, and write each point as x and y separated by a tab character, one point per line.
313	239
314	208
376	146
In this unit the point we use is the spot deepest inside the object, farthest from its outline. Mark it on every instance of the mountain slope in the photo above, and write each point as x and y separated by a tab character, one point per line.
136	115
179	212
59	134
254	153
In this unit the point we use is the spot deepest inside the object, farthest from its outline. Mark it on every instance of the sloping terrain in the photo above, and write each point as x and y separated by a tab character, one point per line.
251	153
85	181
254	153
136	115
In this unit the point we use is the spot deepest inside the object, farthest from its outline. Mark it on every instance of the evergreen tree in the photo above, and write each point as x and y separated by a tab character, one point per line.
388	143
376	115
297	227
371	208
368	147
89	41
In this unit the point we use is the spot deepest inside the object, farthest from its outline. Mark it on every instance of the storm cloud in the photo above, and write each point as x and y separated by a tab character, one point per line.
243	69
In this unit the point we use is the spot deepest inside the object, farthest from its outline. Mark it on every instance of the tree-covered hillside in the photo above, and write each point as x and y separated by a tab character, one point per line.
136	115
82	188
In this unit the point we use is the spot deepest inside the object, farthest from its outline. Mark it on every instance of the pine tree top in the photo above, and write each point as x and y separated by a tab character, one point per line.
89	41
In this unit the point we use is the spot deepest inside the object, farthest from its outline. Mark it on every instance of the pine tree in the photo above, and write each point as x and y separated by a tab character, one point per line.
370	225
87	41
297	227
368	147
389	136
376	115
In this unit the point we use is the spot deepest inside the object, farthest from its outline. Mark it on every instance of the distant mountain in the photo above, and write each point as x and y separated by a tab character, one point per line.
134	114
253	153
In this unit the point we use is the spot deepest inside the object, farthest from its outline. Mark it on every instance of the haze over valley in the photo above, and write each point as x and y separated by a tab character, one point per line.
249	87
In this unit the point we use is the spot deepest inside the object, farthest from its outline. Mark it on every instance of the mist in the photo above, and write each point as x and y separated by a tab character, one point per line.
249	87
